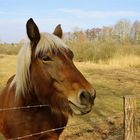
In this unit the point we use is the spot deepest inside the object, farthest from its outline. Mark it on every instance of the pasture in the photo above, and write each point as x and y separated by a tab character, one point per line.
111	83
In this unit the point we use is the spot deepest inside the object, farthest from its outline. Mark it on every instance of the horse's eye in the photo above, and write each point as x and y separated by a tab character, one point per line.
46	58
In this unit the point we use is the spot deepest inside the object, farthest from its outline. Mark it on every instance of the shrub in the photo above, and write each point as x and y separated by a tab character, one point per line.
101	51
10	49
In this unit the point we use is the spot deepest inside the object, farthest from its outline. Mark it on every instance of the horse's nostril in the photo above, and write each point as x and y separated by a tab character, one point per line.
93	97
85	97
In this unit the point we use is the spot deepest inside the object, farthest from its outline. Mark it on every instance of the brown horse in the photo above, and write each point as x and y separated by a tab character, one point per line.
45	75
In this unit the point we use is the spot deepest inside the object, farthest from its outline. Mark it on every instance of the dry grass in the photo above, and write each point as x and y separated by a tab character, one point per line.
120	61
9	49
111	83
7	68
103	52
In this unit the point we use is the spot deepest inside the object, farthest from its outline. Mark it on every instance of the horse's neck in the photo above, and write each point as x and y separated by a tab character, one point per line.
8	99
6	94
1	98
55	116
45	117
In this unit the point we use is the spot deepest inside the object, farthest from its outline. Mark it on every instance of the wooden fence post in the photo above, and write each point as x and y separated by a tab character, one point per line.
129	117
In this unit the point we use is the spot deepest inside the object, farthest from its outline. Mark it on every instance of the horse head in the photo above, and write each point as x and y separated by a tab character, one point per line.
51	74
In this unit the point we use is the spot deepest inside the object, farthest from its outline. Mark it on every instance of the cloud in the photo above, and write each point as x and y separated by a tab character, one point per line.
19	13
98	14
12	30
44	24
12	21
54	21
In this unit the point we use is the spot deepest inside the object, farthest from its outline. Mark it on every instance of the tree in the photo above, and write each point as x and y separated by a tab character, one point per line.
93	33
106	33
122	30
135	31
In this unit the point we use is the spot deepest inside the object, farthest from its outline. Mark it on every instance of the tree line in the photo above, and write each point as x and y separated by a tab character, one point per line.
123	31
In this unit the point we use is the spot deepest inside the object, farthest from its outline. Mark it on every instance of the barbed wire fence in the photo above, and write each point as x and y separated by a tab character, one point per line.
68	126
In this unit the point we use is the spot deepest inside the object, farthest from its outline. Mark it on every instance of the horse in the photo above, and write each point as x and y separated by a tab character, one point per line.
47	77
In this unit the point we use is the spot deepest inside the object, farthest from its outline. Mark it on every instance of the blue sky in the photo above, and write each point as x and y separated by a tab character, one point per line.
69	13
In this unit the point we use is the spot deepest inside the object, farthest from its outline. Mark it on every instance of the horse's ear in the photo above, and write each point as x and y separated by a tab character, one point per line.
58	31
32	31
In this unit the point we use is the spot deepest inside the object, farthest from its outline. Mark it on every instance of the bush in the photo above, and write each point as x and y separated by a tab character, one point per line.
9	49
101	51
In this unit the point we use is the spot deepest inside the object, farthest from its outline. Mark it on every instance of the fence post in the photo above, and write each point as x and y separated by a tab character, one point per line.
129	117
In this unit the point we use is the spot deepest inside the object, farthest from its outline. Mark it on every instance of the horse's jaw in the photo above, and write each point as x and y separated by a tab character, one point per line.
79	110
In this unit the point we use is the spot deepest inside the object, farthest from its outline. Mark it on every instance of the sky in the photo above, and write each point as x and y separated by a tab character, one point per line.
47	14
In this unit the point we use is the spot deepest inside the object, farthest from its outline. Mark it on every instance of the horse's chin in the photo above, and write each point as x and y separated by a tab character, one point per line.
77	110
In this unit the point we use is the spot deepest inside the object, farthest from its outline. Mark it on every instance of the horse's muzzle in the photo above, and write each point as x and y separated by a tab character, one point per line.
85	101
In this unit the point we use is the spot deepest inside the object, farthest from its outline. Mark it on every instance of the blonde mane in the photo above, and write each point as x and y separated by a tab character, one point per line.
48	42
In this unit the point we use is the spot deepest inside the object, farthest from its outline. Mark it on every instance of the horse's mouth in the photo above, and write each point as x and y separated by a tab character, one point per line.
78	110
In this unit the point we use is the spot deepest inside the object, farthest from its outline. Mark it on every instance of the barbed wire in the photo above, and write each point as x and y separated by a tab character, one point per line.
46	131
33	106
23	107
55	129
60	128
37	133
42	105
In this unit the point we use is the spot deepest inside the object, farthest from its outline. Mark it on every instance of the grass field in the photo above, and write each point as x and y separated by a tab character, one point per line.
111	82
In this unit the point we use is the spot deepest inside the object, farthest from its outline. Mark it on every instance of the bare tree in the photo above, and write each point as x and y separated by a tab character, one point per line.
122	30
106	33
135	31
93	33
